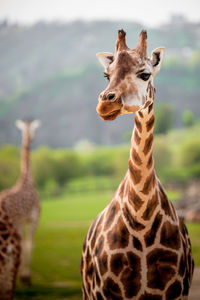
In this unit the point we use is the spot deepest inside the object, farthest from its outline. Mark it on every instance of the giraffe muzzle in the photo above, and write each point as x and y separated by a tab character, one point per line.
109	109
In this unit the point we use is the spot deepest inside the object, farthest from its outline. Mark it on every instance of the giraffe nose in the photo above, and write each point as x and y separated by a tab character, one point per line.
108	96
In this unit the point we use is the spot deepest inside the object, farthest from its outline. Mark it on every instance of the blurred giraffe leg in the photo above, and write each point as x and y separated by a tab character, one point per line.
27	247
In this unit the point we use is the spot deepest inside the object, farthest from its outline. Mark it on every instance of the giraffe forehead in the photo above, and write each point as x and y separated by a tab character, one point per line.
129	60
126	65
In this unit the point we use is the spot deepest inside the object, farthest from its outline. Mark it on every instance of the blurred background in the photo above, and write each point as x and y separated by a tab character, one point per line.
49	71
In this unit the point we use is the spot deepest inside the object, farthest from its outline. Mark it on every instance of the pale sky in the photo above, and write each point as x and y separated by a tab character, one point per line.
149	12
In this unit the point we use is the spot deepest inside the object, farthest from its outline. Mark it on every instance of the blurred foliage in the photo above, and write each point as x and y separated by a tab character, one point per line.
177	158
188	118
164	115
191	153
9	166
182	73
162	154
91	183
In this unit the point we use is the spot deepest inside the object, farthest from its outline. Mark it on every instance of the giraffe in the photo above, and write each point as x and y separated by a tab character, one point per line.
19	213
137	247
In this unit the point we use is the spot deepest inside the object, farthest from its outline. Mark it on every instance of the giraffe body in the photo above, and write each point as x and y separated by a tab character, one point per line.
19	214
137	248
10	249
10	202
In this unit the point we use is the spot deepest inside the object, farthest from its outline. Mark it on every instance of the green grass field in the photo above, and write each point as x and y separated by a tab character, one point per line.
58	244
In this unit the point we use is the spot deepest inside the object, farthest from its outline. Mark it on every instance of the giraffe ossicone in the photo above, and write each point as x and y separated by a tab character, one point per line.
137	247
19	214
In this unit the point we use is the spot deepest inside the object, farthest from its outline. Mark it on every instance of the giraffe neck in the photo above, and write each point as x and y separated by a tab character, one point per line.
141	163
25	158
138	192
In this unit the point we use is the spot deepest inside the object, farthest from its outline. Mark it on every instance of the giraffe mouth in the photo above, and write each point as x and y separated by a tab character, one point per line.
111	116
109	110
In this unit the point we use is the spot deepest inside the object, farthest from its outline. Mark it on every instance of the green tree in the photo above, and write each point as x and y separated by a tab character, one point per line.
44	166
67	165
188	118
164	117
9	166
191	152
162	154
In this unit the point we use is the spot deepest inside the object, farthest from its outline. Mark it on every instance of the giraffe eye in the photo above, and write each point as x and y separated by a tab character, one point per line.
107	76
144	76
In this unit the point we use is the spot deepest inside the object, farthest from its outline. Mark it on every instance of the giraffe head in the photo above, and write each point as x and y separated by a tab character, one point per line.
28	127
130	74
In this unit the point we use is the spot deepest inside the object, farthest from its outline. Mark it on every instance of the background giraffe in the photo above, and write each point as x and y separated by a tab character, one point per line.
137	248
19	213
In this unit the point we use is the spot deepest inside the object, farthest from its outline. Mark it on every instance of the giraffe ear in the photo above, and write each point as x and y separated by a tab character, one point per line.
105	58
20	125
156	59
33	126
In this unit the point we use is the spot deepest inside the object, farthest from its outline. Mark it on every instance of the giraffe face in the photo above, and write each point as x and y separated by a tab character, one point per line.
130	73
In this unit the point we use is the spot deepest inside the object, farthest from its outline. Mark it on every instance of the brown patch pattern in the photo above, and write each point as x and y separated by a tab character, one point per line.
174	290
84	244
117	263
151	234
150	161
99	246
99	296
132	222
134	173
97	277
150	123
136	158
148	144
148	296
182	265
161	266
150	91
147	104
186	284
112	211
92	228
111	290
138	124
137	138
137	244
88	269
150	108
170	236
134	199
140	113
121	190
131	276
118	237
103	263
151	205
165	204
149	183
96	232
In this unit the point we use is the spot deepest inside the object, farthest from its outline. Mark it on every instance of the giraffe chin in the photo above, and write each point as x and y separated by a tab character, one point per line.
111	116
108	110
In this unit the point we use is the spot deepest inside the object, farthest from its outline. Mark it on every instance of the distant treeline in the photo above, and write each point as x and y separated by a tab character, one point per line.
177	158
